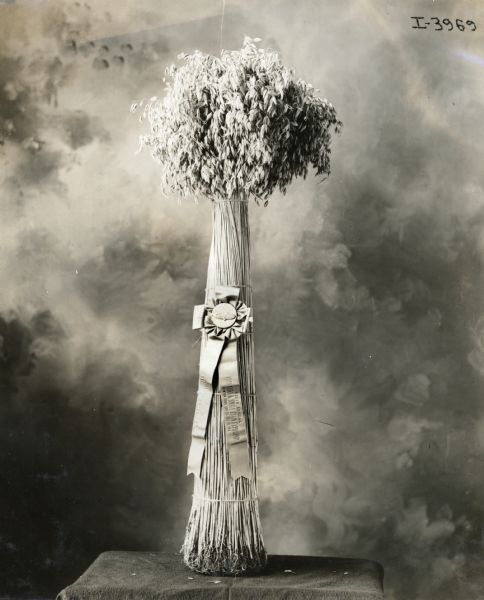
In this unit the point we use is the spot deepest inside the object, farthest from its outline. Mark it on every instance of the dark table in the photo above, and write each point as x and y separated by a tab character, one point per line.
163	576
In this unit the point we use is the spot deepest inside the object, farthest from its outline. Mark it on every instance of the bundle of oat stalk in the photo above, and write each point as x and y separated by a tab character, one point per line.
230	128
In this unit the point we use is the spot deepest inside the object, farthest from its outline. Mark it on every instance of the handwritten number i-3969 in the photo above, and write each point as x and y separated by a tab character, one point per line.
440	24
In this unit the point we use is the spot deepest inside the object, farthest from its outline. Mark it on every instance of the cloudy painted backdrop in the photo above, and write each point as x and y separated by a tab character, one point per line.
368	292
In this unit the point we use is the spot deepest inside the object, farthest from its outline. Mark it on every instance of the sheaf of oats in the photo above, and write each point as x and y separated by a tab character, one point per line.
238	123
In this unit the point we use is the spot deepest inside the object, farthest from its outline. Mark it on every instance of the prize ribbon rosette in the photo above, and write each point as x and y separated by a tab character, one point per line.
224	318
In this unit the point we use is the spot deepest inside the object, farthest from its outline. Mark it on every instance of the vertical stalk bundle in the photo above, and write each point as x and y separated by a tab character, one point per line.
229	128
224	534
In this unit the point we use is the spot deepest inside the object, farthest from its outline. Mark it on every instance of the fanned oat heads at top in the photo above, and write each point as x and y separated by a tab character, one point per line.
238	123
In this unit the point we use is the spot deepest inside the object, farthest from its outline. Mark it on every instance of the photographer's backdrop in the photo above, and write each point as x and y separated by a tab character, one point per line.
369	320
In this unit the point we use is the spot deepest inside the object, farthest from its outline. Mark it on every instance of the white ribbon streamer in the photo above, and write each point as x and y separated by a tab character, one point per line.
223	325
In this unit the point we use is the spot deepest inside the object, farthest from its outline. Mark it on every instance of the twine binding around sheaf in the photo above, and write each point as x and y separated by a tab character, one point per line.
238	285
200	498
245	394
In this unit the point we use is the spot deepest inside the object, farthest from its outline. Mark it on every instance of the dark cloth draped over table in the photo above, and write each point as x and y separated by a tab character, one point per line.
163	576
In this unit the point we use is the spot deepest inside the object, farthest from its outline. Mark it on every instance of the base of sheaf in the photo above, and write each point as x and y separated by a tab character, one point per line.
223	562
224	538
